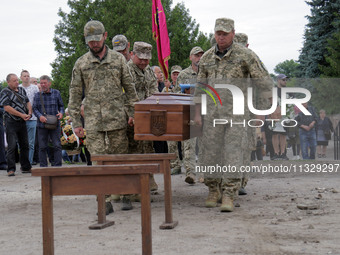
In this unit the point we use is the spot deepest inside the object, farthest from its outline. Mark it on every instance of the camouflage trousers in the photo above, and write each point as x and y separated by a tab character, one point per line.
251	133
228	186
222	152
107	142
135	146
173	148
189	156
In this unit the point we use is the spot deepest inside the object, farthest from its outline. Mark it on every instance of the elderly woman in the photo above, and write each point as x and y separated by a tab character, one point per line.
324	129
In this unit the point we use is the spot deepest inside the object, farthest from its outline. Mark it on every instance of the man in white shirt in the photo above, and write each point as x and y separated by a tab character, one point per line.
31	124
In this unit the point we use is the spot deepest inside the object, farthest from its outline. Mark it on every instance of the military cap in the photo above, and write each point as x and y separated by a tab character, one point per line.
176	68
224	24
142	50
281	76
241	38
119	42
93	31
196	50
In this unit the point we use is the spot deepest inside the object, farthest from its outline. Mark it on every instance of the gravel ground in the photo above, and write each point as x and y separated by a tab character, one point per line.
271	219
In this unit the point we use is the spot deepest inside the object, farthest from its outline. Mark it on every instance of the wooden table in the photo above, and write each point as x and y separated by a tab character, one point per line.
95	180
163	159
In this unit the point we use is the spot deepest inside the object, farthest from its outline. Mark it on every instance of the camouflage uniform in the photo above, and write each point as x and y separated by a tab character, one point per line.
188	76
175	164
225	145
103	82
189	156
145	81
242	39
146	85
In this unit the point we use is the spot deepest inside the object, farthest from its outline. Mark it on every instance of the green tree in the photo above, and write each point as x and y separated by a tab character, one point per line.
332	69
326	95
184	34
131	18
69	43
3	84
320	27
287	67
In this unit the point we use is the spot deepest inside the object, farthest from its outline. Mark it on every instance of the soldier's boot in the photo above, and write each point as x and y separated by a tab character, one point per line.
108	208
214	196
126	203
153	184
227	204
190	178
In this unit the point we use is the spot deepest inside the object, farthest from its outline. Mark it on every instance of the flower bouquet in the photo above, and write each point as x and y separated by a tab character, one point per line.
69	141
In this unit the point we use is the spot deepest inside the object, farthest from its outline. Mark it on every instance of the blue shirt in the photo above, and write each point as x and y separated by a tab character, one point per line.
52	102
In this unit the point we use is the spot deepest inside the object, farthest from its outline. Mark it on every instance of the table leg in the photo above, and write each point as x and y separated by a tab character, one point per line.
102	223
169	223
146	215
47	215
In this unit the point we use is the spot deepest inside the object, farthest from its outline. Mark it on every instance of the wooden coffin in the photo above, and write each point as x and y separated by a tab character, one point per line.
163	117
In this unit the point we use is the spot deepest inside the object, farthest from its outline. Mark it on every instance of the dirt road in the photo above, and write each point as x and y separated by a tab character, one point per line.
271	219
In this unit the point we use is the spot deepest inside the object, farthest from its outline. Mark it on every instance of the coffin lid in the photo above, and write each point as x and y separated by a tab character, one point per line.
168	99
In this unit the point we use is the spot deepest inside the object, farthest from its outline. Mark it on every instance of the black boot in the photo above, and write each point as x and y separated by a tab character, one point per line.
126	203
108	208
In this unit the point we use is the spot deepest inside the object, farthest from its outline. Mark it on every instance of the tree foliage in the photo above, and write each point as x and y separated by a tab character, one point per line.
3	84
326	95
332	58
287	67
184	34
131	18
319	29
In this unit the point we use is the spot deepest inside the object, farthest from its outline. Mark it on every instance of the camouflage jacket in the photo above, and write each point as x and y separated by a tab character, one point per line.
103	83
144	80
240	67
187	76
